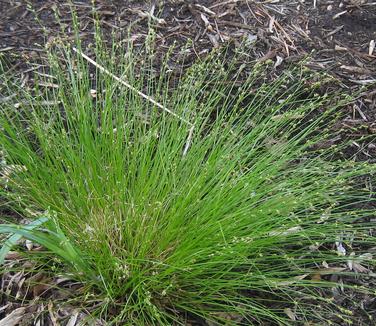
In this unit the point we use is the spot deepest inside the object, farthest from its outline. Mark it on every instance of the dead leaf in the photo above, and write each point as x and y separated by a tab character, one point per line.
41	288
52	314
204	9
13	255
357	70
290	313
271	24
359	268
20	291
14	317
72	321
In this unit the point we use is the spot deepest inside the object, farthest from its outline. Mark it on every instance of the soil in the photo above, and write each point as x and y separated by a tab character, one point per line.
338	35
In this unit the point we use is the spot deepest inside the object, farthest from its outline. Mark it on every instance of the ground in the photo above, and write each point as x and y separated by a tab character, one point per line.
339	36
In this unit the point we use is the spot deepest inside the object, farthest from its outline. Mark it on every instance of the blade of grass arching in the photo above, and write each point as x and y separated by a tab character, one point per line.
15	237
55	241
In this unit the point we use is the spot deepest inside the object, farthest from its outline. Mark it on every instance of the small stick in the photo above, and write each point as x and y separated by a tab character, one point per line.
189	139
121	81
103	69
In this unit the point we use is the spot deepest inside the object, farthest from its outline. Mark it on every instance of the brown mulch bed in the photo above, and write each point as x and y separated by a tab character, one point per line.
339	35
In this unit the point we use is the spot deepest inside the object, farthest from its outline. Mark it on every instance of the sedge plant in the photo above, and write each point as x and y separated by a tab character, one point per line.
229	211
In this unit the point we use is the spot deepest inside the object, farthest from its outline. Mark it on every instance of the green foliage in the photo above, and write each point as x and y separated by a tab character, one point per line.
234	229
19	232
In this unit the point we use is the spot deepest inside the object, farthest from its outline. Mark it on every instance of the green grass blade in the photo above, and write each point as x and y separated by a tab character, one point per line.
14	238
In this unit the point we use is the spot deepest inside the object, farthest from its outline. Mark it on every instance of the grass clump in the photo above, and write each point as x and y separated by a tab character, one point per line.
235	231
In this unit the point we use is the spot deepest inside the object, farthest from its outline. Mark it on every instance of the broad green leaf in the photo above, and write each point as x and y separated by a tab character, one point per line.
14	238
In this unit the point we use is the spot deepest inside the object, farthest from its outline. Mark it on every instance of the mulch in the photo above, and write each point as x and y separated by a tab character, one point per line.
338	35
